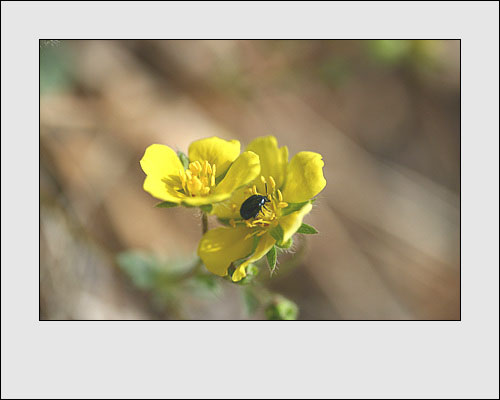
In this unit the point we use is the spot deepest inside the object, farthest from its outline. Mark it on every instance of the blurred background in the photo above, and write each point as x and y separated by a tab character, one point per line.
385	115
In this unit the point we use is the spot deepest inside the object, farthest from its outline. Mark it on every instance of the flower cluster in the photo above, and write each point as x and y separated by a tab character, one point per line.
218	179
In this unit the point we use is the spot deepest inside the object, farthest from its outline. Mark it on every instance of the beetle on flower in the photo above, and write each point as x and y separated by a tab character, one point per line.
292	186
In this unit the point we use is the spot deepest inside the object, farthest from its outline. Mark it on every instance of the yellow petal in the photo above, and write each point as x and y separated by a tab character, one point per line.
216	151
239	274
161	161
231	207
156	187
273	160
304	178
291	222
243	171
162	167
202	200
219	247
264	245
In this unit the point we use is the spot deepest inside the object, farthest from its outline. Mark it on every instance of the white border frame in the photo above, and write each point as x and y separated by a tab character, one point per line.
196	359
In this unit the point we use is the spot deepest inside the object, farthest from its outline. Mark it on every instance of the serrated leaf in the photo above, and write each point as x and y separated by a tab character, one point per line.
271	258
184	159
292	207
307	229
166	204
206	208
277	233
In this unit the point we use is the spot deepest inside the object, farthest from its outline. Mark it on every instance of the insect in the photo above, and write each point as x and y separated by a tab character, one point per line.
253	205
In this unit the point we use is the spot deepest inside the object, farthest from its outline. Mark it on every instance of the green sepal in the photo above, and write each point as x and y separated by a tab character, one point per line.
292	207
184	159
206	208
277	233
271	258
285	245
224	221
252	271
307	229
166	204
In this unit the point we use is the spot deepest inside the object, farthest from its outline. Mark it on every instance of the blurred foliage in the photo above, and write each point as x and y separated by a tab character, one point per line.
335	71
250	300
418	54
56	66
282	309
168	279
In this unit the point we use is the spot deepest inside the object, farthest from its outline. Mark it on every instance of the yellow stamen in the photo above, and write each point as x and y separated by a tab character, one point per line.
250	235
261	233
280	196
282	204
198	178
273	184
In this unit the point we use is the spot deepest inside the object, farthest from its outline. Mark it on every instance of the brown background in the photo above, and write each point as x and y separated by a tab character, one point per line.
385	115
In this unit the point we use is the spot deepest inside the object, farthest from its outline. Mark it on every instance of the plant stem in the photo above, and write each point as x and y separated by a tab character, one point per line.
204	223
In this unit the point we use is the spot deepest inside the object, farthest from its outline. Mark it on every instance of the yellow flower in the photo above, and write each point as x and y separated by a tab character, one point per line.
290	188
215	169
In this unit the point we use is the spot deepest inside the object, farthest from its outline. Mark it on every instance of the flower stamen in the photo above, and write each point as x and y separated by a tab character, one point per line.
198	179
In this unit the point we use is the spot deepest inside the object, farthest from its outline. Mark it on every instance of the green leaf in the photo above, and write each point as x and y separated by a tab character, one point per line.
250	300
285	245
166	204
292	207
271	258
277	233
307	229
282	309
184	159
206	208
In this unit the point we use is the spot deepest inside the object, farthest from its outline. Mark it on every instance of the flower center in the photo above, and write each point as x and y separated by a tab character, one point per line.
270	212
198	179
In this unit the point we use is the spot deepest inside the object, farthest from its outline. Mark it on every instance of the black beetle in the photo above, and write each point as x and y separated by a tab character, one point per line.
252	206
